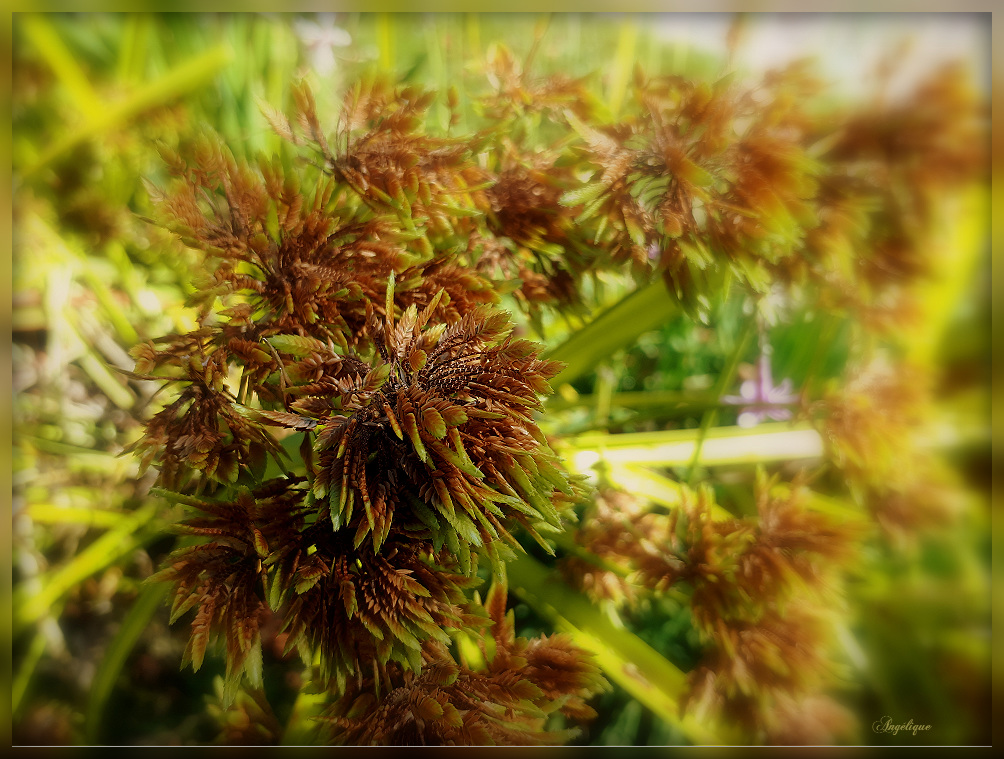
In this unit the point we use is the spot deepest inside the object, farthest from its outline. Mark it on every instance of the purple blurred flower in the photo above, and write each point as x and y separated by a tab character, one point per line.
760	398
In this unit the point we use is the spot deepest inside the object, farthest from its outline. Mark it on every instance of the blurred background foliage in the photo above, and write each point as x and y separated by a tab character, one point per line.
641	406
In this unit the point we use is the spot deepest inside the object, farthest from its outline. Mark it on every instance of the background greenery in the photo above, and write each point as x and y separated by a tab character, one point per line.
94	659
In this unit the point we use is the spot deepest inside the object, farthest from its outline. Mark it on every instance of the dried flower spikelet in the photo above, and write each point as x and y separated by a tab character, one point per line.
464	289
268	550
432	185
617	529
874	429
565	673
446	705
524	204
741	568
888	171
222	576
933	138
930	500
817	720
779	652
365	612
756	665
284	269
793	546
532	234
692	547
278	247
383	154
506	701
203	431
706	180
623	222
871	424
442	432
765	597
515	93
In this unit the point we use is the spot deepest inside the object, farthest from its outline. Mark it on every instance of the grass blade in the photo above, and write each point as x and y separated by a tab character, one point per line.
624	62
644	483
29	661
48	513
664	401
185	78
47	42
136	621
721	446
724	381
131	532
617	327
300	727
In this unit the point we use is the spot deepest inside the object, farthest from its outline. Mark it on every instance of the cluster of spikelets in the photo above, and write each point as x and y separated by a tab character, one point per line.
763	592
877	429
504	699
416	461
503	692
420	455
358	307
703	184
766	591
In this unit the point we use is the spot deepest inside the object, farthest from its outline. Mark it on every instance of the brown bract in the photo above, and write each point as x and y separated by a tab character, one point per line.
890	168
203	431
363	610
505	700
764	592
223	576
443	432
277	244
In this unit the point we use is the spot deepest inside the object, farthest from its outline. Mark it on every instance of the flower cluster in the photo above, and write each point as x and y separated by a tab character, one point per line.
761	592
381	349
504	700
357	423
874	428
